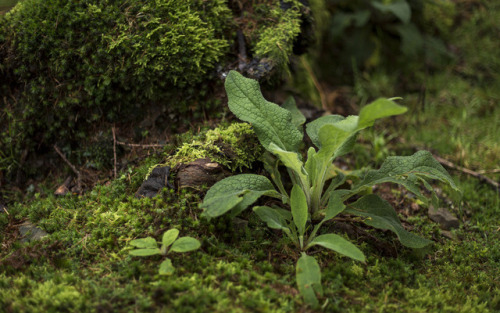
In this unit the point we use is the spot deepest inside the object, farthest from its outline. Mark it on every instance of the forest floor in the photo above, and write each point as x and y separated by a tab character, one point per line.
83	265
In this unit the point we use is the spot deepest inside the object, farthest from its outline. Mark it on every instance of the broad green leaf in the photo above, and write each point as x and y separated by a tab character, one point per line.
236	193
312	166
185	244
400	8
145	252
169	236
147	242
378	109
312	128
335	205
166	267
298	119
407	171
332	140
339	245
380	214
292	161
308	276
272	217
272	124
298	204
287	215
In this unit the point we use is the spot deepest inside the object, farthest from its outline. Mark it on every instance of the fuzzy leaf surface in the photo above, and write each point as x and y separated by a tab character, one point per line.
407	170
298	119
378	109
144	243
185	244
339	245
291	160
166	267
272	123
271	217
298	204
308	276
236	193
312	128
380	214
169	236
145	252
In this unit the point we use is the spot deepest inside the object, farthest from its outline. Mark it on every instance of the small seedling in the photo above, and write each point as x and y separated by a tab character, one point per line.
312	202
170	243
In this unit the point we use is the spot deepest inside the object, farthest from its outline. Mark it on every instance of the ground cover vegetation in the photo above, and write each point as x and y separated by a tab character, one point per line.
85	263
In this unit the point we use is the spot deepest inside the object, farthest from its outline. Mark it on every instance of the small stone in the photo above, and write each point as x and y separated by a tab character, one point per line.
444	218
30	232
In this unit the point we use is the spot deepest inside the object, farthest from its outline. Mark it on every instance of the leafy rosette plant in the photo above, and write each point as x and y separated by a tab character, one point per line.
170	243
315	197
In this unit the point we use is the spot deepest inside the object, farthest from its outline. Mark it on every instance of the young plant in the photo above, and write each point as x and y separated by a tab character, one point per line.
148	246
315	198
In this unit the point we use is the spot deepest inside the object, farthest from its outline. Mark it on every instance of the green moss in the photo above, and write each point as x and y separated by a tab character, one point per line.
276	41
71	66
235	147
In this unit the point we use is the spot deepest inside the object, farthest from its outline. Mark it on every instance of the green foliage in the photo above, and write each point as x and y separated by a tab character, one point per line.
390	33
334	136
148	246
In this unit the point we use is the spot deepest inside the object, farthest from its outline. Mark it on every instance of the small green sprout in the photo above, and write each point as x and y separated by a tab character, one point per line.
170	243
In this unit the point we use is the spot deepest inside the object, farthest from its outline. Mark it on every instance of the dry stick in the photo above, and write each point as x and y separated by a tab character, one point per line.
78	175
467	171
121	143
493	171
114	149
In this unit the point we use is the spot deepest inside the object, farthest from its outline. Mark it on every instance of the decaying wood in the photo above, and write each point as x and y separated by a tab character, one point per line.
198	173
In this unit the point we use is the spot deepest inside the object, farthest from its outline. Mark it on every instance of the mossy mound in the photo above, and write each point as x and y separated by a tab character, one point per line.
71	69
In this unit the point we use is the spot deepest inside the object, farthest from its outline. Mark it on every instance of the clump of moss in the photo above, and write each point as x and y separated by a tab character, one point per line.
234	146
71	67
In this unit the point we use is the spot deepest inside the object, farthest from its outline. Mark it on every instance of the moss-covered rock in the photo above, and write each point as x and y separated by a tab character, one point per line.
69	69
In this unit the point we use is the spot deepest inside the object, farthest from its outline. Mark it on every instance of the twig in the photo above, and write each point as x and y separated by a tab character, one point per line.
139	146
493	171
4	208
114	150
472	173
78	175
